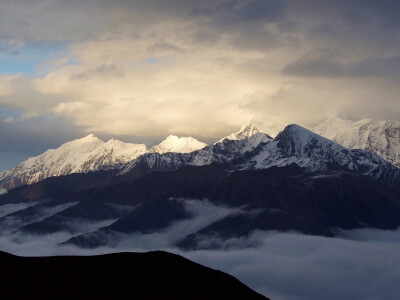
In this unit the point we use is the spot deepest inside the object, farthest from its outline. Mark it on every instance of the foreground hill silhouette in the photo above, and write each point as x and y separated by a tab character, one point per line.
152	275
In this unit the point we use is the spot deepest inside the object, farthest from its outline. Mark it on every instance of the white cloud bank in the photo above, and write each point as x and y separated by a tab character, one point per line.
282	266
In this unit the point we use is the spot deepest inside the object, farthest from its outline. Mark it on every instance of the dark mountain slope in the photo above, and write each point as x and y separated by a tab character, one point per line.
153	275
58	186
283	199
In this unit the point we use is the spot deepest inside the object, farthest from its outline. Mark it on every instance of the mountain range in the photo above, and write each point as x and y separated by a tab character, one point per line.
248	181
379	137
88	154
92	154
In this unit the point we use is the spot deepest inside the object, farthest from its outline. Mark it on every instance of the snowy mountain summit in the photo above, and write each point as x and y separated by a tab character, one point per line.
334	125
307	149
177	144
335	142
268	126
78	156
295	145
85	155
379	137
244	132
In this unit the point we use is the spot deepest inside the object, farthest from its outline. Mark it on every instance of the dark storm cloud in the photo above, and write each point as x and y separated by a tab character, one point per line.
355	20
245	22
362	10
77	20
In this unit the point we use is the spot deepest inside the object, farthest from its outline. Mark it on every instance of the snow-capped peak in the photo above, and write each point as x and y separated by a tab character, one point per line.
299	141
294	145
245	131
82	145
78	156
178	144
334	125
269	126
379	137
300	146
88	154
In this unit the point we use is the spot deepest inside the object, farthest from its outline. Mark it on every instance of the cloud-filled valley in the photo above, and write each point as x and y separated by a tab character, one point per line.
280	265
357	264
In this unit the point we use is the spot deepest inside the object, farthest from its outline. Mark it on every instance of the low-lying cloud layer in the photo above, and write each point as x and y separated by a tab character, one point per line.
291	266
358	264
281	266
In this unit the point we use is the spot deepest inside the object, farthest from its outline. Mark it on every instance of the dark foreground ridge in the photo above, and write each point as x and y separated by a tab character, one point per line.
152	275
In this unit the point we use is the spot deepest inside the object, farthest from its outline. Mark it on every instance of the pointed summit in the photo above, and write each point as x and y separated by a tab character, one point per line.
78	156
89	138
245	131
306	149
269	126
177	144
82	145
299	141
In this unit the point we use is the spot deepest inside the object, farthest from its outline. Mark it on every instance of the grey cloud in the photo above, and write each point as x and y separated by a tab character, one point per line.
246	22
104	70
263	39
80	20
72	21
384	11
324	31
242	10
163	46
354	18
372	67
358	27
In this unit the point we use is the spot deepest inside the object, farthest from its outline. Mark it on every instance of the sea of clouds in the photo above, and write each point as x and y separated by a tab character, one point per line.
357	264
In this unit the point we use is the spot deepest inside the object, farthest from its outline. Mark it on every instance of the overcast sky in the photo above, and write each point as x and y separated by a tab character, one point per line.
143	69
